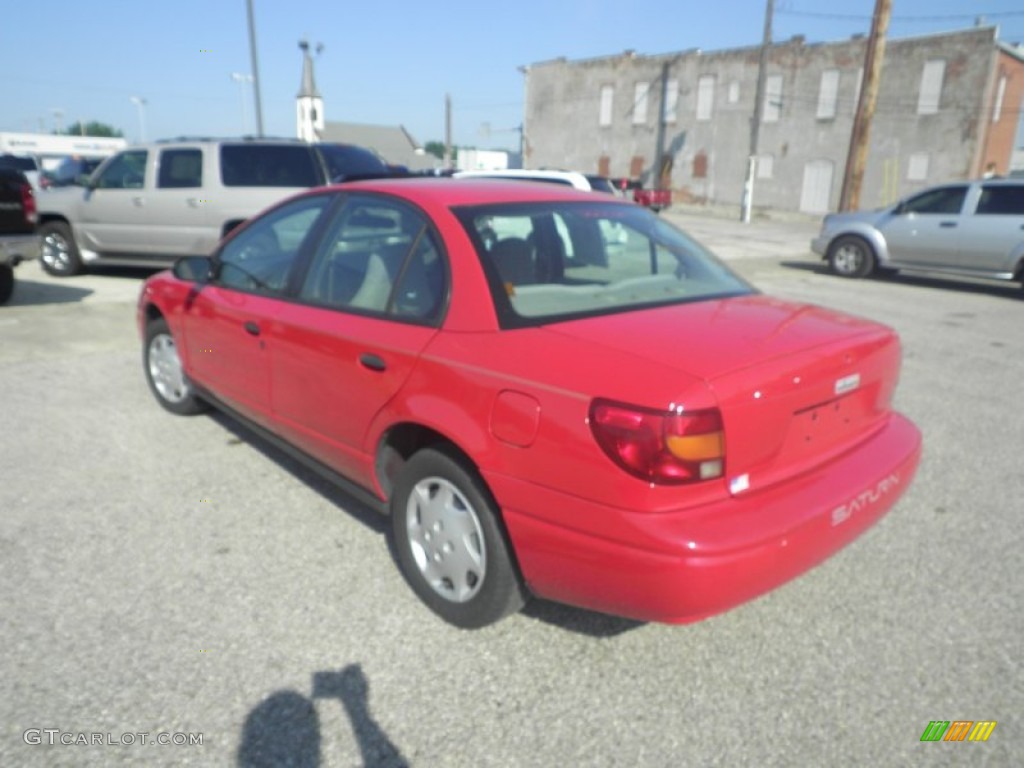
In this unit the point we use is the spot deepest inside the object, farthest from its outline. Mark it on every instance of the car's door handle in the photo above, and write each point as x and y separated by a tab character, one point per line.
252	328
947	224
139	201
372	361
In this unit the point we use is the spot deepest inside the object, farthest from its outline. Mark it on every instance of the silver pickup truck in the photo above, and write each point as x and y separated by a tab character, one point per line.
969	228
151	204
18	239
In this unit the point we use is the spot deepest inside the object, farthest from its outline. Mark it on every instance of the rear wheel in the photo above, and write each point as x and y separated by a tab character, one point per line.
6	282
164	373
59	254
851	256
450	543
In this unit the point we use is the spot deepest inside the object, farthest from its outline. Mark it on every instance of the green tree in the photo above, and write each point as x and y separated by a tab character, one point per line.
94	128
435	148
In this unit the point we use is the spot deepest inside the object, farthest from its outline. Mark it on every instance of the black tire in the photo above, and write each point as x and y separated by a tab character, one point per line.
475	581
851	256
59	256
6	282
167	381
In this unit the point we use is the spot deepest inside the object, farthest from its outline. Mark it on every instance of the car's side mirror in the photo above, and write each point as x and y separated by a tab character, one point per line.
194	269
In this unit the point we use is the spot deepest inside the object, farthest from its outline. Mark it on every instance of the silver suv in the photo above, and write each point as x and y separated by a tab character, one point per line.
962	228
153	203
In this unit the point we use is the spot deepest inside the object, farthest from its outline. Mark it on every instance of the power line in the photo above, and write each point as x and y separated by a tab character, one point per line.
922	19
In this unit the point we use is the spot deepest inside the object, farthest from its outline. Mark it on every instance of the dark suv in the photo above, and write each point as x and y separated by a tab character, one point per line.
153	203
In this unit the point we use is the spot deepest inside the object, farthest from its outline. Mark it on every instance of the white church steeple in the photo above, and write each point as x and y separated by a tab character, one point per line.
309	107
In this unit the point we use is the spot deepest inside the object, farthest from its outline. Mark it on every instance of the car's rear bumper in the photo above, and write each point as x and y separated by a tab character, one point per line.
687	565
18	248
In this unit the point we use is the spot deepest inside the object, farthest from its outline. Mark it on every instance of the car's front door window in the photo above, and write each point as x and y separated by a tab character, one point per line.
943	201
126	171
260	257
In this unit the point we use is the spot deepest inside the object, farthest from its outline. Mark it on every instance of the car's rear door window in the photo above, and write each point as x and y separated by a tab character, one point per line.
180	169
378	256
1003	200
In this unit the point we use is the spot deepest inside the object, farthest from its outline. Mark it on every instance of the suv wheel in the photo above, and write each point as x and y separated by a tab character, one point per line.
59	254
851	256
449	541
164	373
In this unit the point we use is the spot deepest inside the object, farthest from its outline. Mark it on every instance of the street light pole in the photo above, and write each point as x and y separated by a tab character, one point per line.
255	70
242	79
140	102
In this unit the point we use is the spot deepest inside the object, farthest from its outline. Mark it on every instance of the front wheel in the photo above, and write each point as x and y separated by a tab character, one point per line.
449	541
166	378
851	256
59	254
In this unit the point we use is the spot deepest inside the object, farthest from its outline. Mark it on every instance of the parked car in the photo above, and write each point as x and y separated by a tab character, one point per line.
630	428
970	228
27	164
73	169
18	239
573	179
153	203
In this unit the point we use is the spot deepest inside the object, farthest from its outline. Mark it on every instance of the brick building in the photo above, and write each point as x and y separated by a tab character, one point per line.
948	107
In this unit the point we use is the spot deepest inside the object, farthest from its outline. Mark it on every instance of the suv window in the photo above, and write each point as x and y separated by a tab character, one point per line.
944	200
1005	200
260	258
180	168
345	161
18	163
253	165
126	171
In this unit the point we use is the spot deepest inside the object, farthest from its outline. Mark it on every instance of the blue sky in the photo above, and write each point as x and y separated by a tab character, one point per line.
384	62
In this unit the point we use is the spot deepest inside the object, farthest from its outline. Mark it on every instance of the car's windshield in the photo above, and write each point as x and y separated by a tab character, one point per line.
551	261
348	161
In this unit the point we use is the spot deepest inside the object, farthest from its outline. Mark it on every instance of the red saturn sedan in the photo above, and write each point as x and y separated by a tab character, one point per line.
551	393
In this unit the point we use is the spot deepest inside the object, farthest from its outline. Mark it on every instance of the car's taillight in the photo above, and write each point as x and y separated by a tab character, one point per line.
669	447
28	203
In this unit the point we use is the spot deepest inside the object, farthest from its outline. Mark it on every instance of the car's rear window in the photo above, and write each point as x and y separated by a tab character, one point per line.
268	165
559	260
18	163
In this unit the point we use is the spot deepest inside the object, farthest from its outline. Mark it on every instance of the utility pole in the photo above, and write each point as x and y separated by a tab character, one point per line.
447	131
659	150
857	158
255	71
755	122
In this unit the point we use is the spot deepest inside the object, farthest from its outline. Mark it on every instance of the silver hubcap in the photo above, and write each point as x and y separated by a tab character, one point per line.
165	369
446	539
56	252
848	259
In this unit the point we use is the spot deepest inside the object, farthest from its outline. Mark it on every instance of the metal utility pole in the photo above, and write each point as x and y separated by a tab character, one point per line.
857	158
255	70
659	150
447	131
755	122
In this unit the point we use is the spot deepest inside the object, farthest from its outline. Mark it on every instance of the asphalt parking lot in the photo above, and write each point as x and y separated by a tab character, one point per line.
163	575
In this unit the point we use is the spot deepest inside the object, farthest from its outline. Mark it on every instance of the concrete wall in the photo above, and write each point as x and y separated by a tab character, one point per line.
908	150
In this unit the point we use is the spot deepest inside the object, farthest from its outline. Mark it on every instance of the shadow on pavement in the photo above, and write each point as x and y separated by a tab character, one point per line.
29	293
1007	290
578	620
284	729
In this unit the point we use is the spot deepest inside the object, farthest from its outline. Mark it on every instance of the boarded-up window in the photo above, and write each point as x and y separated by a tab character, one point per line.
640	91
700	165
765	166
828	94
636	166
607	99
734	91
772	98
997	109
705	96
917	167
604	165
931	87
671	100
